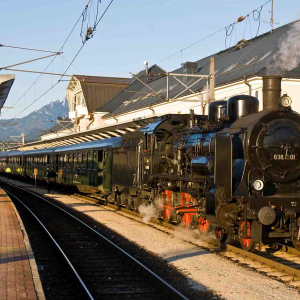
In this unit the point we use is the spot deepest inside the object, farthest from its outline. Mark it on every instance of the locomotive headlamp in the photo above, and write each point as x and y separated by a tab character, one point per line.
285	101
258	185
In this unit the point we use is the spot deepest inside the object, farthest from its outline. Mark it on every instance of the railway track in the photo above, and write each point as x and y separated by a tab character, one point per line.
101	269
282	264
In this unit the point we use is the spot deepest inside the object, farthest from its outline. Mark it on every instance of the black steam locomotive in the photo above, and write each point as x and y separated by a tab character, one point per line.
235	172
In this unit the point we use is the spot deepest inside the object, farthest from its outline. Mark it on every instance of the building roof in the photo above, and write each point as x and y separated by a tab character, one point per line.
103	80
6	82
97	90
100	133
65	124
107	143
131	91
250	58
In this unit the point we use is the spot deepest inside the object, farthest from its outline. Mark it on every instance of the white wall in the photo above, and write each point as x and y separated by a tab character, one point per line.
291	86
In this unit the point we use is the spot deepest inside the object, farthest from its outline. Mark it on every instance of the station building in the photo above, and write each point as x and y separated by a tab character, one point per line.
62	128
154	92
238	70
86	93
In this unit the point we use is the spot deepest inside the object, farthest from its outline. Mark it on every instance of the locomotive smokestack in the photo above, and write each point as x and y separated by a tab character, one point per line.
271	92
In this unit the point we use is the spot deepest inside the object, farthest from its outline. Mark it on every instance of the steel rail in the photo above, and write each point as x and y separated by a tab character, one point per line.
176	294
295	273
56	244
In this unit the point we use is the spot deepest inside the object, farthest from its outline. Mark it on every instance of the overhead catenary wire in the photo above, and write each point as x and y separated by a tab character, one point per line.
97	24
60	50
214	33
108	6
68	65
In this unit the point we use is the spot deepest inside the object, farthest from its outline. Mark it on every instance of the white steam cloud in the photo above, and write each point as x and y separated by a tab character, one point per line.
149	211
288	56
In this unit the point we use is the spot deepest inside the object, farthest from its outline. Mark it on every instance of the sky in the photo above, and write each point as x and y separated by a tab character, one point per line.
131	32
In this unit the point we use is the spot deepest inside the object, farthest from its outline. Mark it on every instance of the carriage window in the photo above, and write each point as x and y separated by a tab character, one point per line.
89	160
75	160
70	159
79	160
65	160
84	160
95	160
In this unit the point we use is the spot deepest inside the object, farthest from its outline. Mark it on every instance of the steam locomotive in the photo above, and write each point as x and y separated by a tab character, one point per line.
235	172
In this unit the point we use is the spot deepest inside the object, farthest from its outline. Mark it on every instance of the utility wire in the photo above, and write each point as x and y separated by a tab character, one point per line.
51	60
68	65
226	28
86	40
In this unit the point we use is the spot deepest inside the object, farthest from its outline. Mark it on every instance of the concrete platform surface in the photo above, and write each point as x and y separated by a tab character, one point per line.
18	280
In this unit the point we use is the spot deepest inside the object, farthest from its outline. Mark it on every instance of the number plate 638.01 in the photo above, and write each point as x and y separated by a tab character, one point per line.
284	156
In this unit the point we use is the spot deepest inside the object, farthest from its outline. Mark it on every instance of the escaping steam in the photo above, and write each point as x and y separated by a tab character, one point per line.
149	211
288	56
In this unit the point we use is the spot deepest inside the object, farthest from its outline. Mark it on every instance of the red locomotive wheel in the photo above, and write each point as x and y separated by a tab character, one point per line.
187	220
168	215
221	236
296	245
245	237
204	226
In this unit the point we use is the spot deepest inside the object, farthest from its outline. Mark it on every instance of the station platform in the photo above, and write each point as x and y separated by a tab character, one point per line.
19	278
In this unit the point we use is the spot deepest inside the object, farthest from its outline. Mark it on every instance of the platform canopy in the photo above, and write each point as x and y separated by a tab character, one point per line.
6	81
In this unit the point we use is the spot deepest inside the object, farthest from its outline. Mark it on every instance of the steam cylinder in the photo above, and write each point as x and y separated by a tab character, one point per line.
271	92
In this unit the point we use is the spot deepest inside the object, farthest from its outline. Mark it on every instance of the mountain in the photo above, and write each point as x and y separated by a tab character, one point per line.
34	124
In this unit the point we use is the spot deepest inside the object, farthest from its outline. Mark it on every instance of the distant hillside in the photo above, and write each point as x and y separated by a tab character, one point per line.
34	124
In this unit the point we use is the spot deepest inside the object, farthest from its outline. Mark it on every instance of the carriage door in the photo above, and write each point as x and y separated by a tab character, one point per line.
20	166
56	163
100	166
24	165
147	159
107	169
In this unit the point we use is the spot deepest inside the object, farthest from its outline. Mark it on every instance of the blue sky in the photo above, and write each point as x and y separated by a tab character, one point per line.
131	32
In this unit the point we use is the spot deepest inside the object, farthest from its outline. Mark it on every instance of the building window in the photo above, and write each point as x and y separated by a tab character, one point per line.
83	101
